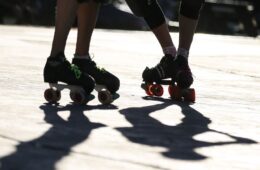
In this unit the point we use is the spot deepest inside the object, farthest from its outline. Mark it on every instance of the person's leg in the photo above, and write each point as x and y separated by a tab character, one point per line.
57	68
65	16
154	17
164	38
186	32
188	20
87	16
178	70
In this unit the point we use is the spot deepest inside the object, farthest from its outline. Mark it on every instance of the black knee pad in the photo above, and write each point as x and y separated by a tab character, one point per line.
149	9
81	1
97	1
135	7
191	8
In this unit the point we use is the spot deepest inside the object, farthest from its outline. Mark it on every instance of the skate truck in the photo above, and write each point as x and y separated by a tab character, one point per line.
78	94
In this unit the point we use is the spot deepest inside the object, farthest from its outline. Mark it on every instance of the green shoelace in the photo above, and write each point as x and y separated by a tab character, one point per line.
76	71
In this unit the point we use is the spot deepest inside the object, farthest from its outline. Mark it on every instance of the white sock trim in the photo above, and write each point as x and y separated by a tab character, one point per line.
87	57
170	50
183	52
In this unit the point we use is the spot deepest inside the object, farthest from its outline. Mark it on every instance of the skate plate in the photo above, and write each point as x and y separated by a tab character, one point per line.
175	92
104	95
77	93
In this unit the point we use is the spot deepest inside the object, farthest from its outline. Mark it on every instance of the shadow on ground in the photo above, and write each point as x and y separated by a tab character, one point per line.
44	152
179	140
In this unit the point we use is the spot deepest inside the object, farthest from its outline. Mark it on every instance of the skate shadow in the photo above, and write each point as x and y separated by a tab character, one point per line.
178	140
45	151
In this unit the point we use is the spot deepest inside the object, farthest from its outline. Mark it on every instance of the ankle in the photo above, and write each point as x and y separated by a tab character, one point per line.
171	50
86	57
183	52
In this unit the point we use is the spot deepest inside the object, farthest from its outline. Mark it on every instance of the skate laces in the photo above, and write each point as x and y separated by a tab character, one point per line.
162	66
93	63
165	61
75	69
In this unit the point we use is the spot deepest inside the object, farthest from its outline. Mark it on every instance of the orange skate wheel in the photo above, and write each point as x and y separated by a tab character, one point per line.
170	90
148	90
190	96
175	93
157	90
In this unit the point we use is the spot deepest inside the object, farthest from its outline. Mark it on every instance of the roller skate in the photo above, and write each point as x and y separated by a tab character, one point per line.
106	83
60	75
175	73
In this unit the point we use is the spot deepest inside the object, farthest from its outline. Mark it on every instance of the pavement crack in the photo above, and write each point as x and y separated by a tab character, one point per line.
227	71
121	160
9	138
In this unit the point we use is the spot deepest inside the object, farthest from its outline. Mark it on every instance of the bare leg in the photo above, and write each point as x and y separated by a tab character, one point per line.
65	15
163	36
87	16
57	68
187	30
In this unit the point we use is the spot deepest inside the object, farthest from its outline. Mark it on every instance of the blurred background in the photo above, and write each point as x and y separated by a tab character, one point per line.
226	17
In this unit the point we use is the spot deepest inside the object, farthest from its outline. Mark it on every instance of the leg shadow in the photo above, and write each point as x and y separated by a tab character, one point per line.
179	140
44	152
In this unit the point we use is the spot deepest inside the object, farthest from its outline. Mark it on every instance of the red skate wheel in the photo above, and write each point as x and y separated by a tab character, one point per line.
190	96
170	90
157	90
148	90
52	95
78	97
176	93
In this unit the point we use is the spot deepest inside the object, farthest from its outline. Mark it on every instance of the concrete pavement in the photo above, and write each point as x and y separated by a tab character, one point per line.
220	131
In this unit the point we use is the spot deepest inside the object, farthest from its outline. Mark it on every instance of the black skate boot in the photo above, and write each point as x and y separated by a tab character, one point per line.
174	73
183	76
101	76
167	68
58	69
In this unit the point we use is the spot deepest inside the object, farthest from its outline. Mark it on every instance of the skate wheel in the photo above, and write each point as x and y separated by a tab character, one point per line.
52	95
190	95
170	90
148	90
78	97
175	93
157	90
105	97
